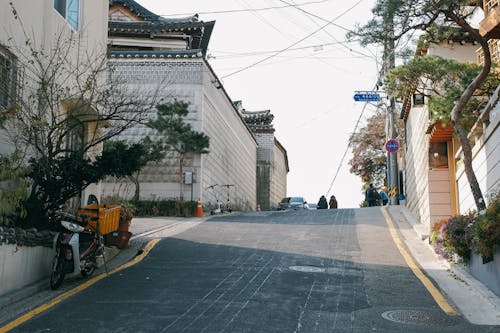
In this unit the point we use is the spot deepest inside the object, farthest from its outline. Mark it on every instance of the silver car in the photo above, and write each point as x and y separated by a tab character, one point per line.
292	203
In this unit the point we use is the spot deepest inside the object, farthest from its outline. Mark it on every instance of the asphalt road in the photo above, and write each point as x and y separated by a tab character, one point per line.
292	271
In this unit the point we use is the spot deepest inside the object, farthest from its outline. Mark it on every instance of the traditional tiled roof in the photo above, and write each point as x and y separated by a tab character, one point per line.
258	120
146	15
155	54
157	27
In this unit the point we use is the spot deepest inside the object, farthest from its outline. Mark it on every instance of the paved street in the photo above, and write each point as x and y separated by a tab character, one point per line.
292	271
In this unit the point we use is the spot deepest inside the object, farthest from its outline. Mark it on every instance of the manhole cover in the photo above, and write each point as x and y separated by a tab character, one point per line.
417	317
307	269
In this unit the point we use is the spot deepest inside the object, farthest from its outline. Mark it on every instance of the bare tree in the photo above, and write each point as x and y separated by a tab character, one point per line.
70	104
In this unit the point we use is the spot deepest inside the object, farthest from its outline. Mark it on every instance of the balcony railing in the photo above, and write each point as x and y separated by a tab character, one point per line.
494	49
489	5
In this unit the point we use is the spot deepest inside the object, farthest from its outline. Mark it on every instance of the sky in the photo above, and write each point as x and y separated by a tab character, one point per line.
295	61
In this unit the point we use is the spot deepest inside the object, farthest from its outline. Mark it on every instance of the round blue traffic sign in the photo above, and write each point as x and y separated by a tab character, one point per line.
392	146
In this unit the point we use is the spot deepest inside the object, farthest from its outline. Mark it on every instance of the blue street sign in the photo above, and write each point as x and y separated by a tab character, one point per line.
367	97
392	146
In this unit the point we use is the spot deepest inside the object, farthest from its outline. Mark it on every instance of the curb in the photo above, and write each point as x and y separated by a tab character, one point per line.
485	297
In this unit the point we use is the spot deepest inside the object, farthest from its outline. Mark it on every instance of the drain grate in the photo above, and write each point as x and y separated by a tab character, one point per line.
307	269
417	317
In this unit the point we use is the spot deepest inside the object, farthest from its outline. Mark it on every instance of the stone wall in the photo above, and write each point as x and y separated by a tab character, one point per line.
486	165
232	152
417	165
279	173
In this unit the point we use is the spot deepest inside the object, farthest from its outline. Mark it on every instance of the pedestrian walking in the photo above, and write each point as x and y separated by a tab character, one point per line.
322	204
371	196
333	202
383	196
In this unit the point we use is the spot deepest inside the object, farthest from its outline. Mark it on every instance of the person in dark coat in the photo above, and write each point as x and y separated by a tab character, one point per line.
371	196
322	204
333	202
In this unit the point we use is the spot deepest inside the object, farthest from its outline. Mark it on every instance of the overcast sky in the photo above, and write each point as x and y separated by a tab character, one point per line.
296	62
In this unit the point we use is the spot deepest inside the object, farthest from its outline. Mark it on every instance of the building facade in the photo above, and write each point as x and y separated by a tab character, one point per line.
168	57
272	158
75	30
429	166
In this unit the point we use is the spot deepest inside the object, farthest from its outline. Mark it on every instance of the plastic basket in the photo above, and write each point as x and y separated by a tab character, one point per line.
108	217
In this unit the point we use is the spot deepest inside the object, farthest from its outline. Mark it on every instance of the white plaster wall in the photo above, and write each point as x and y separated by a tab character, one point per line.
21	266
417	164
278	177
233	149
161	81
457	51
486	165
232	152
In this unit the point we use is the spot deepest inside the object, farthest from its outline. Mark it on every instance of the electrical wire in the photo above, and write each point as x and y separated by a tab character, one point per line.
293	44
349	144
309	15
229	54
246	10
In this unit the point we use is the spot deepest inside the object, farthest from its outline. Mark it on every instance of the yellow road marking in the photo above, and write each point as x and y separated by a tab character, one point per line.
435	293
27	316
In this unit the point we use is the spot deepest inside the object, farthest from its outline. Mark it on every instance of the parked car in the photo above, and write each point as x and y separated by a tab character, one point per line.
292	203
312	206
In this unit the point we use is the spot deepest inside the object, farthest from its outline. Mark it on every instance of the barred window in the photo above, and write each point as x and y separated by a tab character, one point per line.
7	80
70	10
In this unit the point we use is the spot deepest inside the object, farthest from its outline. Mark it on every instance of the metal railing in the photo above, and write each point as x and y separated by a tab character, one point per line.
489	5
494	49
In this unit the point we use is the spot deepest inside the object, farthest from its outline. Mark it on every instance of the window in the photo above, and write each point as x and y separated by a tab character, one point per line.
438	155
7	80
70	10
76	137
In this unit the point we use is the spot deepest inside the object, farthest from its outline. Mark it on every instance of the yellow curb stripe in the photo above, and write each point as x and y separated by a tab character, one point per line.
27	316
435	293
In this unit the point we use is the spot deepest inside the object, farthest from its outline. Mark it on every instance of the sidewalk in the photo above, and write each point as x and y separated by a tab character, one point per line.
474	301
141	228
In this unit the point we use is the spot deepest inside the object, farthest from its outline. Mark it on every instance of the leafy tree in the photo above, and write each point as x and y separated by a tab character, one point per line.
71	103
442	82
134	158
396	20
369	160
177	135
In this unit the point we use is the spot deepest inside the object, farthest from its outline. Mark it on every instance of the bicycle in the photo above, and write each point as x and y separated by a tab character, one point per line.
218	209
228	203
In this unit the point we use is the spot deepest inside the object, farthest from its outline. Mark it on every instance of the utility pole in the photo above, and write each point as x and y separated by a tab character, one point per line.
392	157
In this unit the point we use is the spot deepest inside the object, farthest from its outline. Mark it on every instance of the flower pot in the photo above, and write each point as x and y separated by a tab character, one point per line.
124	225
118	238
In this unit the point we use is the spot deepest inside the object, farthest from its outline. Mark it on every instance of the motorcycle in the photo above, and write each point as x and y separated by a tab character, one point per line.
75	249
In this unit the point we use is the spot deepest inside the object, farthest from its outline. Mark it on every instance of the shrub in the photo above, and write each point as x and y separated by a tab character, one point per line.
164	208
458	234
487	232
438	239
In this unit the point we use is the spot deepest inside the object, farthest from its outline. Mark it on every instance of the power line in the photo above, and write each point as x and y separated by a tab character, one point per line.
293	44
309	14
247	9
244	54
347	149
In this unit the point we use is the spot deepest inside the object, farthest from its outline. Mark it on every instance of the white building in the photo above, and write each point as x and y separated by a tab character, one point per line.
169	57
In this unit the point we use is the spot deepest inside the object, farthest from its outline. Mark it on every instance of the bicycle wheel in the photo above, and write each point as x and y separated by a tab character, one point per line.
88	268
57	275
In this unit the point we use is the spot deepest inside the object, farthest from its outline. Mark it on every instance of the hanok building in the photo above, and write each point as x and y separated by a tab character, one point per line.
429	166
169	57
272	158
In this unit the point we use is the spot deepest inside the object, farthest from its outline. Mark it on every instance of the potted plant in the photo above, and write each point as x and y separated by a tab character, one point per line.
126	214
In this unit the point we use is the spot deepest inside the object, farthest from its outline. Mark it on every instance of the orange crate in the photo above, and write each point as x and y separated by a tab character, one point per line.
109	217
